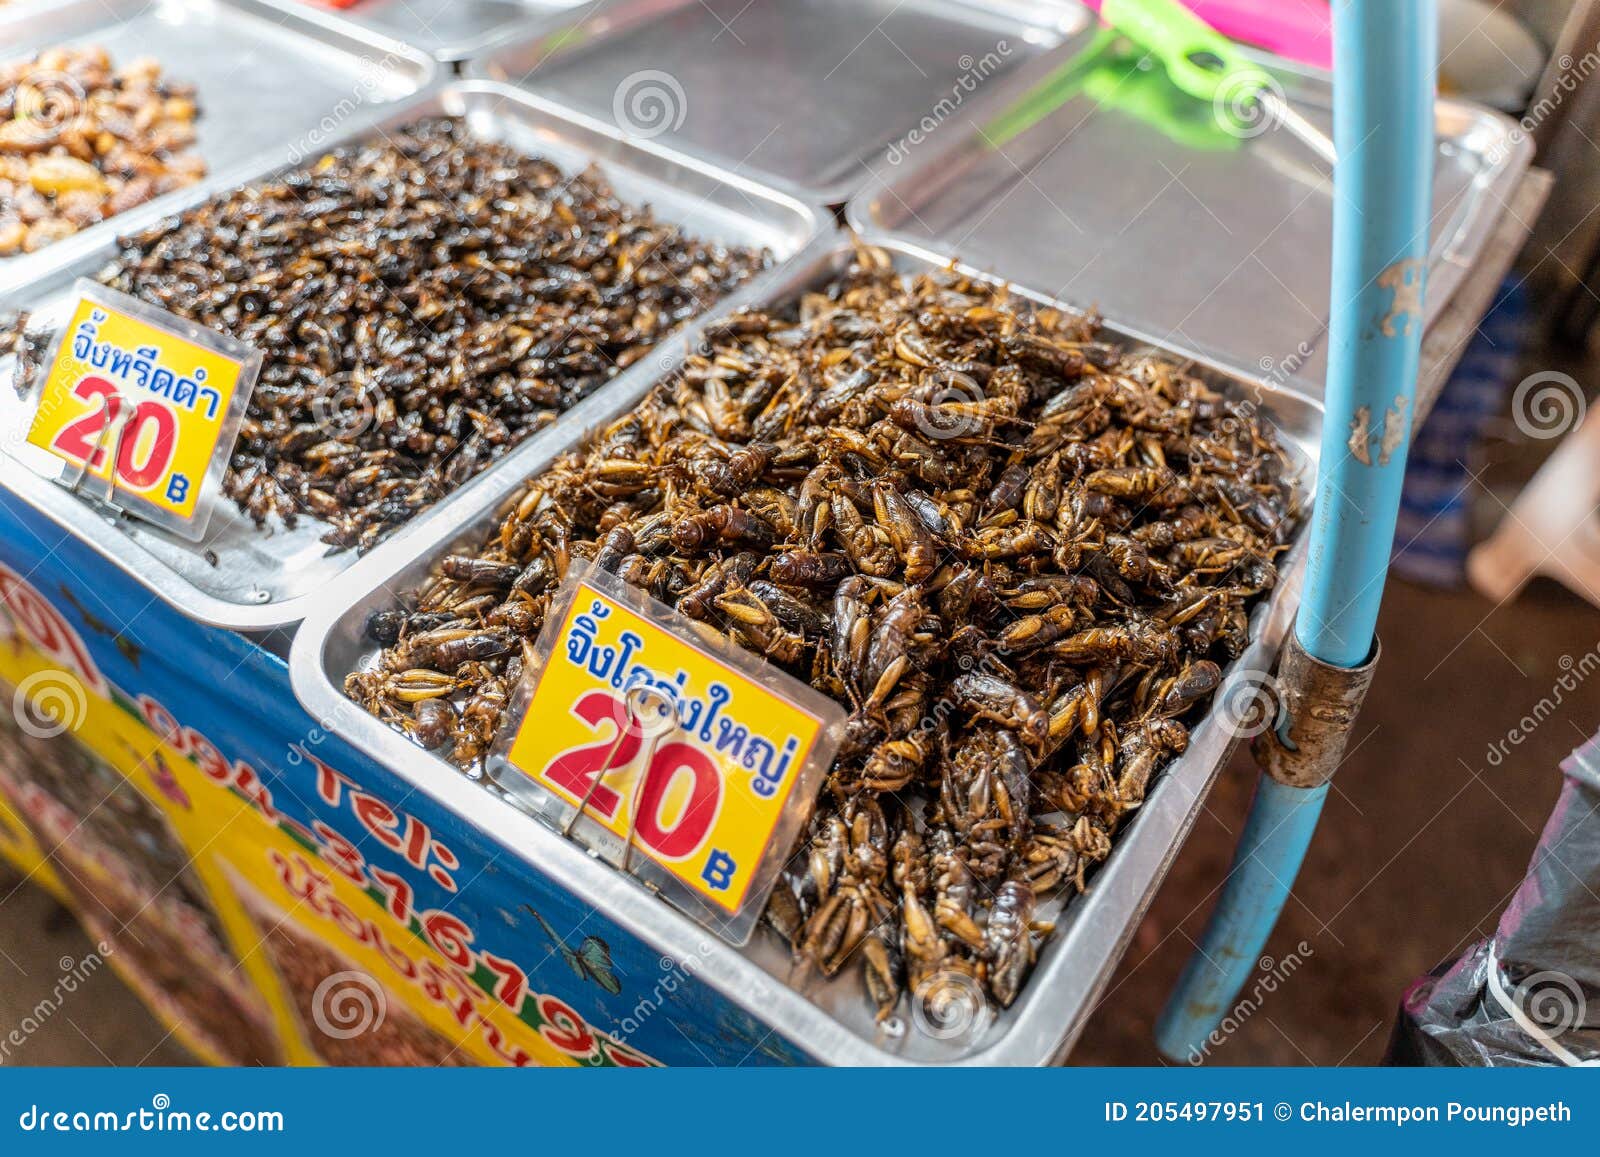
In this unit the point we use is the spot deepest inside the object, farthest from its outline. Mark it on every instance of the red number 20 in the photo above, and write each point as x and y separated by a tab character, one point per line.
81	439
576	770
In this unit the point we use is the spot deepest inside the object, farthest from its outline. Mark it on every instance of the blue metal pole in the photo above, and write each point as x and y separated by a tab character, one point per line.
1383	129
1274	841
1384	60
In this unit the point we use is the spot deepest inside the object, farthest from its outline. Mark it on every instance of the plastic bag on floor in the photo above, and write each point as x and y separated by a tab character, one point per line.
1530	994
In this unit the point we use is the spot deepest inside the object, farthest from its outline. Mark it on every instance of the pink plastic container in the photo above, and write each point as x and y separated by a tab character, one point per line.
1299	30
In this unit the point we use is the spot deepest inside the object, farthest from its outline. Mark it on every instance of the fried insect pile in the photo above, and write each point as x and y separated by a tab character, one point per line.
82	140
1017	554
424	302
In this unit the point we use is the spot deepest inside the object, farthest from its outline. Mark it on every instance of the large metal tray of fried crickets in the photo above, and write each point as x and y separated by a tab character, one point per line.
448	30
802	95
1096	180
269	82
831	1020
247	579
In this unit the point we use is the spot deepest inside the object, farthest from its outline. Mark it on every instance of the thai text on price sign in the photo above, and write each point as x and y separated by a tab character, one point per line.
144	403
668	750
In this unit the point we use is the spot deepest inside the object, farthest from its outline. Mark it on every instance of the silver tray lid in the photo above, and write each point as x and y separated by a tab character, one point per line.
800	95
447	30
1122	194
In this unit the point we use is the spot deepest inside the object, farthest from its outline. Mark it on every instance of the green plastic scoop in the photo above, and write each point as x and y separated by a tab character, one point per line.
1208	66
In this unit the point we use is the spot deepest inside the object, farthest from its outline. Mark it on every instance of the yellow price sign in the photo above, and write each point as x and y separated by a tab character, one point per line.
686	760
144	402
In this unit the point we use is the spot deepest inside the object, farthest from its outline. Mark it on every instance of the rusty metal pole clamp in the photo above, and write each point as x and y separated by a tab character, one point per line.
1317	706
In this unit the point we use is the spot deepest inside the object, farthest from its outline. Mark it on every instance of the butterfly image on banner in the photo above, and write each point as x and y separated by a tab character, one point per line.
591	960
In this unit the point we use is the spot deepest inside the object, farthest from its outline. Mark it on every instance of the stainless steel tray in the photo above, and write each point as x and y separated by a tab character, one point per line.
1179	240
252	580
269	80
448	30
802	95
830	1020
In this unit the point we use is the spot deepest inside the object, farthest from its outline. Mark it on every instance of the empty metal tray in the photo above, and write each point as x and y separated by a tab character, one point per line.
802	95
1109	188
